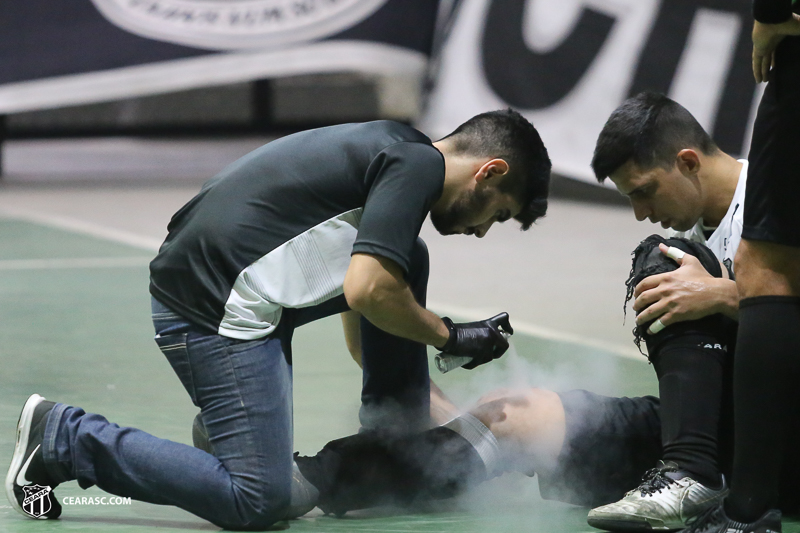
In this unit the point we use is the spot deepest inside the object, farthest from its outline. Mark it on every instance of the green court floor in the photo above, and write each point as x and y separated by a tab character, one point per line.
75	327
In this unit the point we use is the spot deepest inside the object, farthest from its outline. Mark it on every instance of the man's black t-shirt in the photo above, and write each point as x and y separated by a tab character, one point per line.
277	227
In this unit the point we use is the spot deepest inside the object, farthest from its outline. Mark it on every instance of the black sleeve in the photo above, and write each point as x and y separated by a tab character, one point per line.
772	11
407	179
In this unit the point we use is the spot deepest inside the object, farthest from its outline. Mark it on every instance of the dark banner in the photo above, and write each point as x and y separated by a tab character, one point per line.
82	51
567	64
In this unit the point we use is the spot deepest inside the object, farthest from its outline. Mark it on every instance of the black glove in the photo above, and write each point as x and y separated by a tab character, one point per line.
483	340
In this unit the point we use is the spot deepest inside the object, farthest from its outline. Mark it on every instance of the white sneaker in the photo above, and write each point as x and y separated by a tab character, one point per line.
665	500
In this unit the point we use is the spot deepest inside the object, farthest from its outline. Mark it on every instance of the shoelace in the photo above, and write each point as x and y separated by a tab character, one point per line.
654	481
704	520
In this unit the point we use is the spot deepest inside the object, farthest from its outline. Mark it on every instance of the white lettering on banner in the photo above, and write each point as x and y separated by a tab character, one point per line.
707	56
236	24
567	64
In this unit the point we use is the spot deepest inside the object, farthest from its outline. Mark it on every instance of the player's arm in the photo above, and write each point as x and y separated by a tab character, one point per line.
688	293
442	409
375	287
774	20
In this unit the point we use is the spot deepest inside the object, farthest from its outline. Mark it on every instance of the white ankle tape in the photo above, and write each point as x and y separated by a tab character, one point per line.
481	438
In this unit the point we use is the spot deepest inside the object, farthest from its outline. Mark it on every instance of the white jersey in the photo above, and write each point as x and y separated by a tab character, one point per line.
725	239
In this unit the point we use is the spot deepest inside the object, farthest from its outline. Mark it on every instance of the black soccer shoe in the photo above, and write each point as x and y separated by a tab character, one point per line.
715	520
28	486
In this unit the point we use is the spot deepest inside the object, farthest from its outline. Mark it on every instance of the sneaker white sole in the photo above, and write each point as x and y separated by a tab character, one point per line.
625	524
23	431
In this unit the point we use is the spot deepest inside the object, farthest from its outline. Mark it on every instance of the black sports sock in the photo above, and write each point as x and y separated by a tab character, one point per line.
690	359
367	469
766	371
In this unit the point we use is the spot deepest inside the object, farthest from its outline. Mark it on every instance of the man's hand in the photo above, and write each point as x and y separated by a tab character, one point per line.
483	341
766	38
688	293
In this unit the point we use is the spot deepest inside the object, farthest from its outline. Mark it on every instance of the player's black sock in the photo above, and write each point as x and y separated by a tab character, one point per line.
689	359
766	370
368	469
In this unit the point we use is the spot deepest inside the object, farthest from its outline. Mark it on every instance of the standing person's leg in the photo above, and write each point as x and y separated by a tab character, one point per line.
395	396
244	391
767	362
766	371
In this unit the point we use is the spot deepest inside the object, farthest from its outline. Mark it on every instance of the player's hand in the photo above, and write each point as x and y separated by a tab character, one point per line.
688	293
483	340
766	38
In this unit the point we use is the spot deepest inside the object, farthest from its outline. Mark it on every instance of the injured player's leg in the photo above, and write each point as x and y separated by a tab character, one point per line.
368	470
586	449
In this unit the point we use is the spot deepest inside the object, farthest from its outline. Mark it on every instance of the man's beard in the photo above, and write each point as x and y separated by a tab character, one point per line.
464	208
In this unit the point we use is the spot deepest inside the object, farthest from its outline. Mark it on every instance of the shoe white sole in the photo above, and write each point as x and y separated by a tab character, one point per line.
23	431
625	524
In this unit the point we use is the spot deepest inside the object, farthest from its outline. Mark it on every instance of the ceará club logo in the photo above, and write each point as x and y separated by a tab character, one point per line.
236	24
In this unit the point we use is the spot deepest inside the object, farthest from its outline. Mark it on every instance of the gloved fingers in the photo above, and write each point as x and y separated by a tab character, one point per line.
500	345
501	322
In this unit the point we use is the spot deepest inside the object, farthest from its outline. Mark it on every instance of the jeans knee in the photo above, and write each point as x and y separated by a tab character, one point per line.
257	510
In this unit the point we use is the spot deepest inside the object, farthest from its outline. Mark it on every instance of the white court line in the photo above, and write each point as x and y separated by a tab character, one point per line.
148	243
80	262
82	227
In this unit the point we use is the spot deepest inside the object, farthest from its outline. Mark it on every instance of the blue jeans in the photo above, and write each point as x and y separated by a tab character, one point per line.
244	391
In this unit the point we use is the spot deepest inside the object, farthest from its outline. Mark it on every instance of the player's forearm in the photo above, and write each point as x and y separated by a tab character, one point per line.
772	11
395	311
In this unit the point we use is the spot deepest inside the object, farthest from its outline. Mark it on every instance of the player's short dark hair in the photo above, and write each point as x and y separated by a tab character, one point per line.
648	129
507	135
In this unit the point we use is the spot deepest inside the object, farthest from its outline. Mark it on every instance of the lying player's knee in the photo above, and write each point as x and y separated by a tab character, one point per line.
507	413
529	426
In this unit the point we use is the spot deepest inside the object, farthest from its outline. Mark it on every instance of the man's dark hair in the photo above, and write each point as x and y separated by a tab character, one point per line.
509	136
648	129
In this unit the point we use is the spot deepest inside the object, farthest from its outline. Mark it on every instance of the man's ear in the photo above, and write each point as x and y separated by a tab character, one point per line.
490	169
688	161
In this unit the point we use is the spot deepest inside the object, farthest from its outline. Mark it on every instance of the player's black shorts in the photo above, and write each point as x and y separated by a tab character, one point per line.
772	197
609	444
